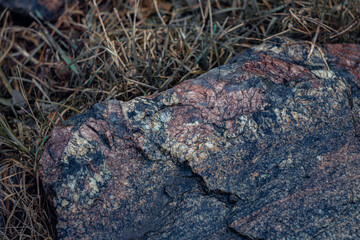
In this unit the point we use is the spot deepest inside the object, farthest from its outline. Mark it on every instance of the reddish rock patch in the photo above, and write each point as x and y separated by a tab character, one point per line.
277	70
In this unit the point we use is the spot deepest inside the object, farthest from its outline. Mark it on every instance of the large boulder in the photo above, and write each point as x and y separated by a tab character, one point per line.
265	147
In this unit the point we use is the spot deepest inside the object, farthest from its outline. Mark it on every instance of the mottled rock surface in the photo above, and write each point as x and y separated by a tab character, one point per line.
265	147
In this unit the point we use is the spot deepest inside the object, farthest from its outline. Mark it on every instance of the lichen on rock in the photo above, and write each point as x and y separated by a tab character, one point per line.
265	147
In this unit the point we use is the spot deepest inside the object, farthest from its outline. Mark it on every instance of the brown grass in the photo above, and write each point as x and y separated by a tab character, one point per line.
97	51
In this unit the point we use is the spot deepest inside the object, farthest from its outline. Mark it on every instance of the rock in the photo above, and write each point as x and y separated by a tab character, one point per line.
265	147
46	9
2	223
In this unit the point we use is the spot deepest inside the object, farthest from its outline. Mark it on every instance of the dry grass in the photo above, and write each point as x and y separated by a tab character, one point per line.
113	50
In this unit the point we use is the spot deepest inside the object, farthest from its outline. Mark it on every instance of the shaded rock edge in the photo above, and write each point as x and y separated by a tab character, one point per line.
265	147
45	9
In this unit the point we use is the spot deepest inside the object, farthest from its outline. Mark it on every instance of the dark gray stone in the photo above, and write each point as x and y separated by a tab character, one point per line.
45	9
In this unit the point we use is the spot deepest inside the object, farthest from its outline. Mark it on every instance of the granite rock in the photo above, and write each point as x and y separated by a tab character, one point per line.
265	147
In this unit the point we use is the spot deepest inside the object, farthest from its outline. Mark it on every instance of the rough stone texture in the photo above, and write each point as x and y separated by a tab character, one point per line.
265	147
48	9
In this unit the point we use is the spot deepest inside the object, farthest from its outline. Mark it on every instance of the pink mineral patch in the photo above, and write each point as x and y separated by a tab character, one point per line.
277	70
53	152
211	106
348	56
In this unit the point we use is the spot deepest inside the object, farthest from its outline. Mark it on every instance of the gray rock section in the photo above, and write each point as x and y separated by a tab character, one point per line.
45	9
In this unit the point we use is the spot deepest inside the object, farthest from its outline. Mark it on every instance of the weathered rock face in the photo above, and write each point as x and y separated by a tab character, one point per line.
266	147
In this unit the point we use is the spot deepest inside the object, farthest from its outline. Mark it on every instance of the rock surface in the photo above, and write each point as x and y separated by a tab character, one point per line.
265	147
